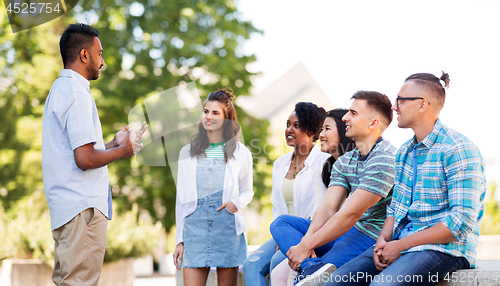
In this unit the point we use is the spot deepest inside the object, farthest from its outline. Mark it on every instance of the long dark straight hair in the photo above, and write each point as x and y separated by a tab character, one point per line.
231	129
345	144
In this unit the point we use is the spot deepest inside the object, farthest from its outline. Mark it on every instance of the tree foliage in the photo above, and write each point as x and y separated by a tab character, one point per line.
491	220
149	46
29	64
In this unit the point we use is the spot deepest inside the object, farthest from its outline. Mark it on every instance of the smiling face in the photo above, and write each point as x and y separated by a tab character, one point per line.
329	136
212	118
96	62
408	109
293	134
357	120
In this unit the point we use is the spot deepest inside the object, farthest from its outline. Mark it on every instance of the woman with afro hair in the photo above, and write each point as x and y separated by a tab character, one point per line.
295	183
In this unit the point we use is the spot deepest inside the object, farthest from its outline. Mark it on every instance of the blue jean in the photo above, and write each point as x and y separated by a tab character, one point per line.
412	268
288	230
261	262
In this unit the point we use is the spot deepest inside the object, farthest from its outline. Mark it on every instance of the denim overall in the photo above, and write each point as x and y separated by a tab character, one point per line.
210	238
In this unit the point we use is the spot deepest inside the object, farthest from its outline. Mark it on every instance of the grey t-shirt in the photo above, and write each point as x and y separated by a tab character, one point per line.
373	173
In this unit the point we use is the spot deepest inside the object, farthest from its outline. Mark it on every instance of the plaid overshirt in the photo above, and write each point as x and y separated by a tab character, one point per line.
450	189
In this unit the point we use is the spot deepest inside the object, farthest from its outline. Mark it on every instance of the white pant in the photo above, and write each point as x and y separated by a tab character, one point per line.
282	275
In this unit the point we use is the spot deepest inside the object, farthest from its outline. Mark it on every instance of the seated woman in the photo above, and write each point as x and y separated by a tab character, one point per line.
335	143
294	184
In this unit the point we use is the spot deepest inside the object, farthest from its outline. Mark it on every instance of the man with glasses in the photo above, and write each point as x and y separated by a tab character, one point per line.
432	223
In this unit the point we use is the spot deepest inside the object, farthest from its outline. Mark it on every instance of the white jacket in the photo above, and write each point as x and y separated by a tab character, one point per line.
306	186
238	186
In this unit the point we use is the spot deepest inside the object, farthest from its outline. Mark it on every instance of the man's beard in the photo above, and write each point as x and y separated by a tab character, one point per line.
93	74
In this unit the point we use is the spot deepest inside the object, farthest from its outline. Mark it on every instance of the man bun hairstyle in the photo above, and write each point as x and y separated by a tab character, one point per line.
377	101
311	118
75	38
432	83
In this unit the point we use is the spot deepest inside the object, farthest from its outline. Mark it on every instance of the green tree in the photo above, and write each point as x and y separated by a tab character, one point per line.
149	46
28	66
491	219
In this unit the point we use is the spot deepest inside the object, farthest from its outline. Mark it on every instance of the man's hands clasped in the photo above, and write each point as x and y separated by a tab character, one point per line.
385	253
298	253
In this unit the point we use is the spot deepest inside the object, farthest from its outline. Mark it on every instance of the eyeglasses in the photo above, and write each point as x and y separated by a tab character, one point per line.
406	98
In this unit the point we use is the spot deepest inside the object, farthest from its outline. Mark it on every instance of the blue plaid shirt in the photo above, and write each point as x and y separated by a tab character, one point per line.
450	188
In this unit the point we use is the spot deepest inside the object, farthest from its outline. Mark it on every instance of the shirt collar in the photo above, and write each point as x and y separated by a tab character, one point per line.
310	158
430	139
78	77
363	158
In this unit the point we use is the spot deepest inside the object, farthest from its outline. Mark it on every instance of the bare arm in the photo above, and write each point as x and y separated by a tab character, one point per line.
123	145
344	219
387	229
330	205
87	157
436	234
335	227
384	237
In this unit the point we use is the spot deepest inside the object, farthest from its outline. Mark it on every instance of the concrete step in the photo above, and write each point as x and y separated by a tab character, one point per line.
487	274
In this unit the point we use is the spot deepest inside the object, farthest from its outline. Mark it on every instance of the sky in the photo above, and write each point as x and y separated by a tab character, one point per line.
374	45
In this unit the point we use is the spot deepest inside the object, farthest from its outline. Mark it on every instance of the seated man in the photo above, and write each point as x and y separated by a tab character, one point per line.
432	224
366	174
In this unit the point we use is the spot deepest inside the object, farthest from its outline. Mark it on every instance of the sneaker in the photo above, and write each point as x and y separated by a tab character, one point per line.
315	275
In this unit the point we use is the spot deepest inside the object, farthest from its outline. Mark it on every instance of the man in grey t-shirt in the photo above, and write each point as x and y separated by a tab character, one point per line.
366	175
75	158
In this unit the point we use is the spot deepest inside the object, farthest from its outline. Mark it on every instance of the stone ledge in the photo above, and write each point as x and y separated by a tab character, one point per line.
25	272
487	274
34	272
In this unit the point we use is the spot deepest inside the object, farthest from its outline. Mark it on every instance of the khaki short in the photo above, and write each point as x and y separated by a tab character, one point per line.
79	249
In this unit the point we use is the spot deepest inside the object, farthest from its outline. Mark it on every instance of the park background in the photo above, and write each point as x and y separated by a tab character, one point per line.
151	46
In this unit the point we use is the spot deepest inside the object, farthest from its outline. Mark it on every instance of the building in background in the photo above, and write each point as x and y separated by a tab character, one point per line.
277	101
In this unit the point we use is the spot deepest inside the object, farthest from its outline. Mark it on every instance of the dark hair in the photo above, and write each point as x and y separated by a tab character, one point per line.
231	129
378	101
76	37
310	117
432	82
345	144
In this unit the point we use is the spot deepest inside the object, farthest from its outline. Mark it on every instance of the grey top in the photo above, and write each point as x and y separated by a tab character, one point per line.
70	120
373	173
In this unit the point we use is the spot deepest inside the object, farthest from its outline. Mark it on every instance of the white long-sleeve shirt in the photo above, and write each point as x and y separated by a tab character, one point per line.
307	184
